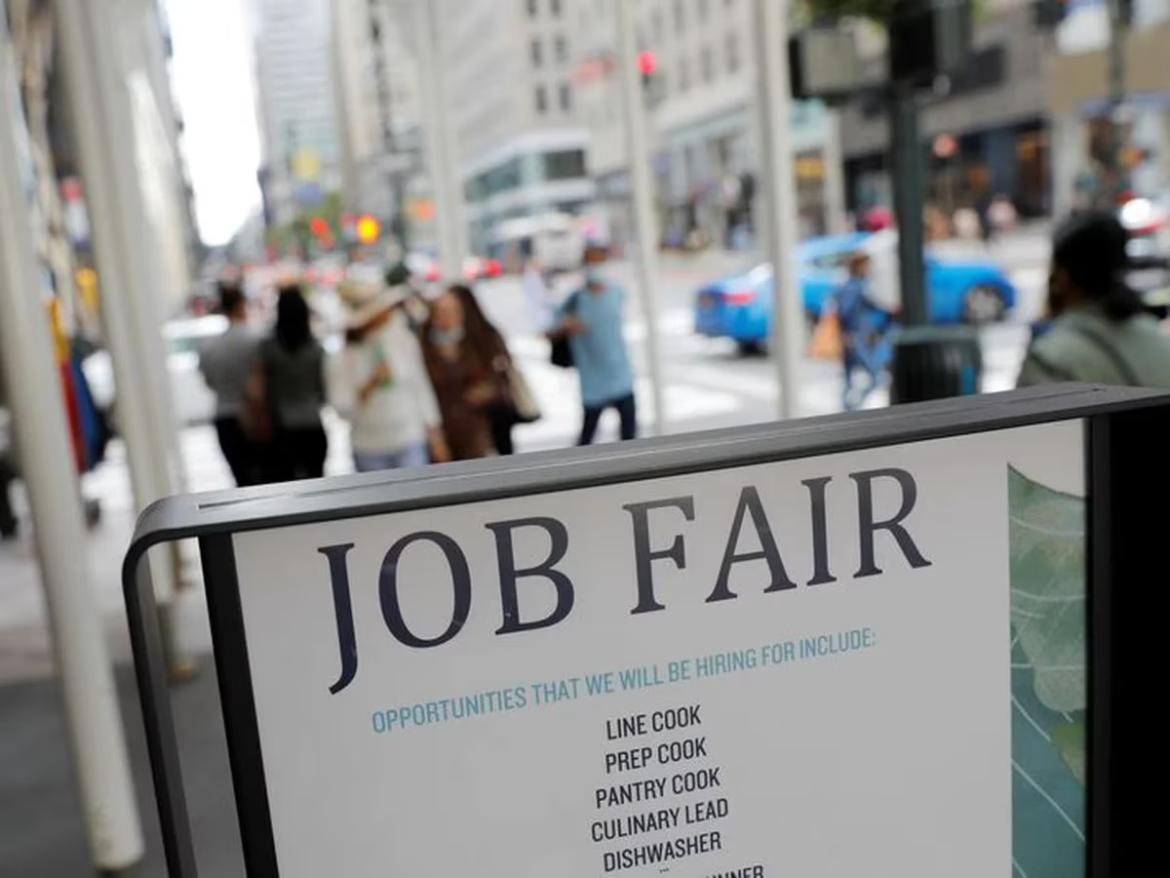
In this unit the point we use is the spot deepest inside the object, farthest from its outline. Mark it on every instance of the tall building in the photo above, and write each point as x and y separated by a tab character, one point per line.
701	100
378	100
1078	103
986	133
513	110
299	135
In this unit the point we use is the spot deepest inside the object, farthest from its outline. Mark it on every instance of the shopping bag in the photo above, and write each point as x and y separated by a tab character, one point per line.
826	342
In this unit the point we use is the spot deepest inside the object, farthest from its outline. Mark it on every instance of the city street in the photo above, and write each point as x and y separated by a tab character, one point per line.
707	384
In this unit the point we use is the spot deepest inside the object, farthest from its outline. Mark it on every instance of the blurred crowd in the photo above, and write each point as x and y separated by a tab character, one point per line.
419	372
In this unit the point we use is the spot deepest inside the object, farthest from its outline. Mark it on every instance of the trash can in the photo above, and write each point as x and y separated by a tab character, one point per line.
934	362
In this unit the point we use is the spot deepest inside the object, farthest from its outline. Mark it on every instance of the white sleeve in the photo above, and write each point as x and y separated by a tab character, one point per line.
339	382
428	406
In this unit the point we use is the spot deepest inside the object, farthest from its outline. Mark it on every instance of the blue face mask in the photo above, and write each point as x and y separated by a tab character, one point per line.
444	337
593	275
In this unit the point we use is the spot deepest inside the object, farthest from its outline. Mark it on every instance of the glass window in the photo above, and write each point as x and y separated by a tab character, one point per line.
703	7
537	53
684	74
533	9
555	6
562	49
732	49
564	165
680	16
656	25
566	96
541	100
707	64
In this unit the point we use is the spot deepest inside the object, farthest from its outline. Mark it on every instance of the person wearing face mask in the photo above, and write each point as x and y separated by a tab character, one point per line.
466	360
1100	330
380	384
591	319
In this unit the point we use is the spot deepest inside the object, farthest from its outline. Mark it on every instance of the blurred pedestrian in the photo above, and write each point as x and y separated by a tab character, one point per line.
293	364
864	343
228	363
536	291
381	385
467	361
591	320
1100	330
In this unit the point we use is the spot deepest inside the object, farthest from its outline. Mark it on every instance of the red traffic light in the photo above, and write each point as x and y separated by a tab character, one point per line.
647	63
319	227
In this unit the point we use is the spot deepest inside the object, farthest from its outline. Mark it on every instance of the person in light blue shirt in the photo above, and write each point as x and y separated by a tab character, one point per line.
864	340
591	318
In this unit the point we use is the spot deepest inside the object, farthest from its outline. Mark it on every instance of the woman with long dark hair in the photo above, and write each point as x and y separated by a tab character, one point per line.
468	363
1100	330
293	365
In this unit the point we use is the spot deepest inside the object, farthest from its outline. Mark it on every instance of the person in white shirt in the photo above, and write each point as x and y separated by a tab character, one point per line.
380	385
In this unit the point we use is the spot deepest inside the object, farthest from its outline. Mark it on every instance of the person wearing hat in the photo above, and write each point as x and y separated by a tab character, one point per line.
380	384
1100	330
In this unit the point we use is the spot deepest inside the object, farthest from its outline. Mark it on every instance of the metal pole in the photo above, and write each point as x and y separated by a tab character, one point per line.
909	196
1118	39
101	123
42	438
444	172
642	191
779	196
834	179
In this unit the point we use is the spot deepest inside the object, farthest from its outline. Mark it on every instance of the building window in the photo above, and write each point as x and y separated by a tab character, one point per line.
684	74
566	97
555	6
566	165
680	16
541	101
656	25
703	7
562	49
533	8
537	53
732	49
707	64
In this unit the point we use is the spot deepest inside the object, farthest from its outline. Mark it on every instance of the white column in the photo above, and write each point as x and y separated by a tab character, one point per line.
446	181
778	196
42	439
834	180
642	192
104	132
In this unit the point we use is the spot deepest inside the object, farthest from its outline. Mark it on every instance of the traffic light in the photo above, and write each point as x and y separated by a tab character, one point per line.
319	227
647	63
368	229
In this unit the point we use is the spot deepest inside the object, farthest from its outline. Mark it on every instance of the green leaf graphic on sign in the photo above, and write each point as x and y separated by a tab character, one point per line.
1047	558
1048	588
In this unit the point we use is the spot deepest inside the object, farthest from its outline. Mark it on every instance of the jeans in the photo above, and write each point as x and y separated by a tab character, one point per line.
371	461
626	411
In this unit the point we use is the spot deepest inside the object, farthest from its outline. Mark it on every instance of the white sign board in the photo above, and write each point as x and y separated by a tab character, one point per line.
788	669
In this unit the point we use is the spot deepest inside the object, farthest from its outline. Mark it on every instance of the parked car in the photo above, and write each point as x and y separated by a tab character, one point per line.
193	400
740	306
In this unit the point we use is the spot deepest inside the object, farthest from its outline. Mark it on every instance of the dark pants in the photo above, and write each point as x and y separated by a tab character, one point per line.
626	411
299	454
240	452
7	518
502	418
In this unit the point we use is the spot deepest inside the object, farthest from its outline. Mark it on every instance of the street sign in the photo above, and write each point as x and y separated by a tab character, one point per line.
854	645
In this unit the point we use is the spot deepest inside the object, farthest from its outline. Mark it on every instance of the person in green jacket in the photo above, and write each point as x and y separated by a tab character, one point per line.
1100	330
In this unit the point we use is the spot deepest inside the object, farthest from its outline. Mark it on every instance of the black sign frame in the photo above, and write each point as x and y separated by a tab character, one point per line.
1125	430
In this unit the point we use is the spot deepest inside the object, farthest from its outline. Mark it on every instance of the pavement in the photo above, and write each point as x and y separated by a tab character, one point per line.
707	384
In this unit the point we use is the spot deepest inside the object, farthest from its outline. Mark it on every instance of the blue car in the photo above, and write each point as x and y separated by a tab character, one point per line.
740	306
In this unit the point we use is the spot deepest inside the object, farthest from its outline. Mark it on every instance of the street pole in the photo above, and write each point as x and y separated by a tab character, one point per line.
102	123
42	439
834	174
1119	14
909	196
642	192
779	197
445	178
